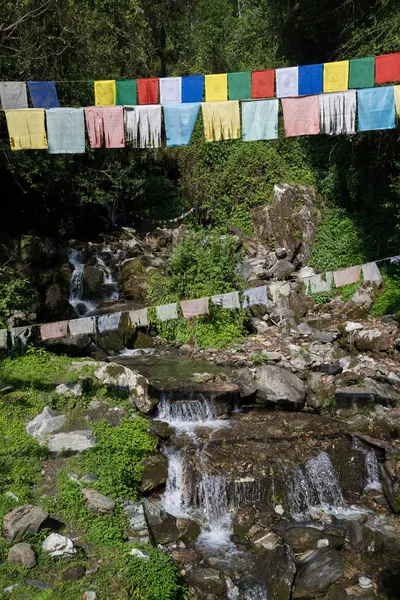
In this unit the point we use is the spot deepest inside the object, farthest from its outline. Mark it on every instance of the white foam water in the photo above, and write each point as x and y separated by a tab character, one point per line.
174	500
186	416
372	472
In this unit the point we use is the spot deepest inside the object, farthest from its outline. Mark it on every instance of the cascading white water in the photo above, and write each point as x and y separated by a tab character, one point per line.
110	291
372	472
212	504
187	415
175	500
315	486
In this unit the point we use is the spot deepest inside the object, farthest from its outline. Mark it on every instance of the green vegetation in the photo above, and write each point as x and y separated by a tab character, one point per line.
15	293
204	264
30	473
388	300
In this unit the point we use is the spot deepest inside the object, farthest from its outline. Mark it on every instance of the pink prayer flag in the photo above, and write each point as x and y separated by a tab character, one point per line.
347	276
50	331
105	122
194	308
301	115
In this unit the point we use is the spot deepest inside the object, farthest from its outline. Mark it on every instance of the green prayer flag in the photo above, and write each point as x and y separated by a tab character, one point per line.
362	73
126	92
239	86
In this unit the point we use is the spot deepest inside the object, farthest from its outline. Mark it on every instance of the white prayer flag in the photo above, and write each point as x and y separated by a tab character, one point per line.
287	82
171	90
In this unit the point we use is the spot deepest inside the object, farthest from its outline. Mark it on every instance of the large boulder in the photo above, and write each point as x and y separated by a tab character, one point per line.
361	302
321	389
73	441
138	531
372	340
317	572
279	569
289	221
22	554
355	397
22	520
97	502
155	472
278	388
123	378
134	279
303	538
161	524
49	421
59	546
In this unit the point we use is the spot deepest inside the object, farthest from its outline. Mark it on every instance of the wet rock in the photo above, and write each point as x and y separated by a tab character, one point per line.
74	441
361	302
355	397
279	569
97	502
301	538
266	518
125	379
372	340
206	583
327	369
317	572
22	520
142	341
268	541
137	524
391	481
185	557
22	554
59	545
247	384
49	421
243	521
278	388
155	472
162	525
74	573
189	530
70	389
357	422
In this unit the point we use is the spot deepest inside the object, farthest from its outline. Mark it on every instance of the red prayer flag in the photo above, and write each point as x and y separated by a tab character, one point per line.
387	68
147	90
263	84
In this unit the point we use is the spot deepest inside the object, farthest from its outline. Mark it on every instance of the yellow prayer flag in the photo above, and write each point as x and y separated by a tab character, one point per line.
216	88
336	76
221	120
396	89
105	92
26	129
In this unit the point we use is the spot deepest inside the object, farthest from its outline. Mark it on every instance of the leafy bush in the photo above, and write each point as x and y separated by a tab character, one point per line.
204	264
388	300
15	293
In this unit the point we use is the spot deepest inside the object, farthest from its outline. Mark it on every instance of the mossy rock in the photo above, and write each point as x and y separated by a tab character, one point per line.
134	280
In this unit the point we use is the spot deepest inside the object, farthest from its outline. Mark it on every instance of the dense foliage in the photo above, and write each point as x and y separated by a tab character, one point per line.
83	195
16	293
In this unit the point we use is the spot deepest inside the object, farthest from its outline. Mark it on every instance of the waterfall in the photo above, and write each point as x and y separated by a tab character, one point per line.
174	500
372	472
315	486
109	287
212	504
187	415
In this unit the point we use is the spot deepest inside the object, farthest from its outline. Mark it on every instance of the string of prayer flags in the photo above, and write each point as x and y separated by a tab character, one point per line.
311	80
338	112
255	296
43	94
167	312
179	121
239	86
216	87
105	122
3	338
387	68
336	76
147	90
287	82
194	308
396	90
170	90
371	272
86	325
139	317
51	331
260	120
319	283
13	95
362	73
126	92
65	130
193	88
143	125
108	322
20	336
376	109
105	92
221	120
228	301
301	115
26	129
347	276
263	84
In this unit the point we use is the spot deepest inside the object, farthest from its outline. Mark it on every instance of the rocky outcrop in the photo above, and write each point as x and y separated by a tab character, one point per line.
122	378
317	572
23	520
278	388
361	302
155	473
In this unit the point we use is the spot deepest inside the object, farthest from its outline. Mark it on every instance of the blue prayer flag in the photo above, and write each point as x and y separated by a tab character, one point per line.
65	130
260	120
376	109
311	80
43	94
179	122
192	88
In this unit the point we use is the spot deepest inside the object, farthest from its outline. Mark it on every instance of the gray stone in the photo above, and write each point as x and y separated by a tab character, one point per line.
59	545
281	252
320	389
247	383
279	569
273	356
302	538
139	554
355	397
394	378
74	573
49	421
70	389
372	340
89	596
22	554
325	337
317	572
155	472
37	584
89	478
97	502
122	378
351	326
304	329
267	540
361	302
22	520
162	525
74	441
282	269
328	369
137	523
279	388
